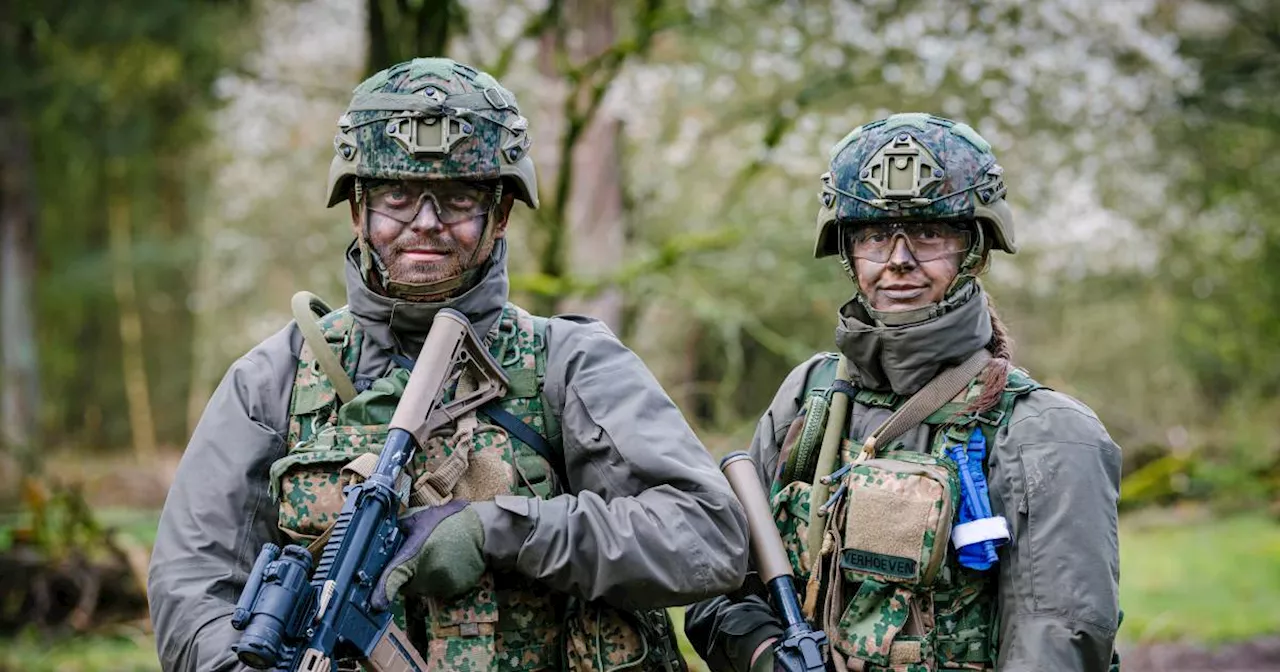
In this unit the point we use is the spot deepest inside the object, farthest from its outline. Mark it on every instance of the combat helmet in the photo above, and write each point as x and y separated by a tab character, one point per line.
431	118
914	167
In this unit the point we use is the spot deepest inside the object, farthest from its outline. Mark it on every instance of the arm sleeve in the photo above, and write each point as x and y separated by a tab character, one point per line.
218	513
1056	474
726	630
650	521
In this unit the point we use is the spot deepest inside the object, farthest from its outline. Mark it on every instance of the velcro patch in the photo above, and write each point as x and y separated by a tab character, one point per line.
877	563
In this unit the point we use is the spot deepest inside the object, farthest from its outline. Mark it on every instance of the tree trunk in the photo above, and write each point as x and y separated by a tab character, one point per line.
399	30
668	344
19	380
137	391
588	231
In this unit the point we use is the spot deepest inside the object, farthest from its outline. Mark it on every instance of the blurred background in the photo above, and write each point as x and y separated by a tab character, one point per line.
162	171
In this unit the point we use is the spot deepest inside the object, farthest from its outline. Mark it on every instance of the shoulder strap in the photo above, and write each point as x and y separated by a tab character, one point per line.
517	428
306	308
548	444
943	388
550	423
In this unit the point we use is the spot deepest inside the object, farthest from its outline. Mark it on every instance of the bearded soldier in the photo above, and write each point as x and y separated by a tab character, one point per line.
941	509
562	518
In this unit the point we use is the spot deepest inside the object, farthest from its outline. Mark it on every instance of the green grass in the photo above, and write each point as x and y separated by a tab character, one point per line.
1208	580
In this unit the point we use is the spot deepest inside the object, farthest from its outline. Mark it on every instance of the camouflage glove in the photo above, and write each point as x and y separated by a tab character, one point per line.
442	556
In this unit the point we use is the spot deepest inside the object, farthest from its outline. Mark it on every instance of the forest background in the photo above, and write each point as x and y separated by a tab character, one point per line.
162	166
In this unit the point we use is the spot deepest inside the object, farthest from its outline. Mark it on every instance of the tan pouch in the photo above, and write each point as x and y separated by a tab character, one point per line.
898	514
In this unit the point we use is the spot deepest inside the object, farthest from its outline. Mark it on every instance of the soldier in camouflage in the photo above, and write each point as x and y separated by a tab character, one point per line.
913	205
547	530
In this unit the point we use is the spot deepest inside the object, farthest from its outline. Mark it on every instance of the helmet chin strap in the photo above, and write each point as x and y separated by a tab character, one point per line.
972	260
425	292
961	289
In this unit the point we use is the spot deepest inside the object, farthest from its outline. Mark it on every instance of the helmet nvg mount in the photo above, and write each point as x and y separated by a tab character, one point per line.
914	167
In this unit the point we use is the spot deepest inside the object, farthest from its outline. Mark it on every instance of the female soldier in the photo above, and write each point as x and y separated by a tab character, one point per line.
1020	481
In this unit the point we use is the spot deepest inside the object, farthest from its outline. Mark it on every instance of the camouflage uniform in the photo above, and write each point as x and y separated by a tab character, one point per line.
635	517
1053	471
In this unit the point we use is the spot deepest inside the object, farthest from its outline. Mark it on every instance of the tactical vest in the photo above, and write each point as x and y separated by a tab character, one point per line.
509	622
949	624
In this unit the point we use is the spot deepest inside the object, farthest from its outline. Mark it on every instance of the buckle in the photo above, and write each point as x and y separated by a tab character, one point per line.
992	417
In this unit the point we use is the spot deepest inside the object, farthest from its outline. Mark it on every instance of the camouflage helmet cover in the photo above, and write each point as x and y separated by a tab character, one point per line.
913	167
432	118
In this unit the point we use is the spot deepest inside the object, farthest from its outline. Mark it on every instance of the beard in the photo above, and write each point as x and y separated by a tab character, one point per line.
457	260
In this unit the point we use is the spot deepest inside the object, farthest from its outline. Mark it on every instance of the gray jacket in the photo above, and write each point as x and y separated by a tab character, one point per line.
1054	474
650	522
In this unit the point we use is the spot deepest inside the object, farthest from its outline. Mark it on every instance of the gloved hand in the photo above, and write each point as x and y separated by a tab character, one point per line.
442	556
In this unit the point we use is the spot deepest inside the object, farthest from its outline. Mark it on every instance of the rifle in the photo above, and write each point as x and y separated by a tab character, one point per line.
801	648
296	621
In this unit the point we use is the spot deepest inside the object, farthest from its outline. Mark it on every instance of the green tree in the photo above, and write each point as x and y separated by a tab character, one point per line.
399	30
1223	260
19	388
113	100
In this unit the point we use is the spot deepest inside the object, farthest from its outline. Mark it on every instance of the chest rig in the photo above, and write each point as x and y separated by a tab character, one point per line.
508	623
886	586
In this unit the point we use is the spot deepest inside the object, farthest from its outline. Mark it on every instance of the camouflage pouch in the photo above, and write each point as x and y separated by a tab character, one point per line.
880	626
462	629
791	516
601	638
308	482
898	511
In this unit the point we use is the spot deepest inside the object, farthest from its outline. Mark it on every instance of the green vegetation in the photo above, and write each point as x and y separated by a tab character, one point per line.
1200	579
695	663
138	525
98	653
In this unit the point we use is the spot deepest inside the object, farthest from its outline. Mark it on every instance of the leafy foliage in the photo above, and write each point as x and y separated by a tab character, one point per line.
116	99
1223	260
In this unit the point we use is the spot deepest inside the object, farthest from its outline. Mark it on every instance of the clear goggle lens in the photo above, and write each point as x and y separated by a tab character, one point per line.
454	202
926	240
